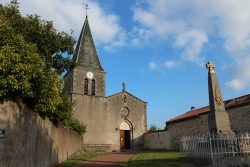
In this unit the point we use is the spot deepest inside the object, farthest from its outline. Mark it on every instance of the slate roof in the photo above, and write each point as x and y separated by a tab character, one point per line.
242	100
86	55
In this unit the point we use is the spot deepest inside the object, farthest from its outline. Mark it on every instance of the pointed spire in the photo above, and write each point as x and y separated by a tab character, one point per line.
86	55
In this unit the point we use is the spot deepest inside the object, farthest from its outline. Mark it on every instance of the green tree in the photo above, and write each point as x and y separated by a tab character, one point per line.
153	128
26	77
53	46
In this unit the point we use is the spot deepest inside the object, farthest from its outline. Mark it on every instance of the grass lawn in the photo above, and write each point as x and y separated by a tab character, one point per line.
159	159
79	158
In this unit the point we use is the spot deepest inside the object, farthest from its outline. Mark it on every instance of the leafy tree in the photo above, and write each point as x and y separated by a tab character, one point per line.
20	65
27	77
153	128
54	47
63	115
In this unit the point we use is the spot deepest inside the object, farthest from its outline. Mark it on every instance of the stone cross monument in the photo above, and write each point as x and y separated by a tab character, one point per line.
218	118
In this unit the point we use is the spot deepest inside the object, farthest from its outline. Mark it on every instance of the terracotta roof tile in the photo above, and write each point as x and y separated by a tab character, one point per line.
228	104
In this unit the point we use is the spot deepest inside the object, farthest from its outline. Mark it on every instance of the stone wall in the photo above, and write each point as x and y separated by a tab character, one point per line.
136	118
197	124
102	115
32	141
159	140
239	120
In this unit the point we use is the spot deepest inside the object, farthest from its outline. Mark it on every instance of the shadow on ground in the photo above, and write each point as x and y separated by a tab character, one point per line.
162	163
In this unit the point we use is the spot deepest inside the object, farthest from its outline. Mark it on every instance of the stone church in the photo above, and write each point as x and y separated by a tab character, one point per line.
112	122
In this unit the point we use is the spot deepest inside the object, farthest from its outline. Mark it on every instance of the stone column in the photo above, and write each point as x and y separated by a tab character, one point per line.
218	118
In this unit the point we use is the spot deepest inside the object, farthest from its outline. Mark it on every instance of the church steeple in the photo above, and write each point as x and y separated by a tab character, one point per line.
86	55
87	76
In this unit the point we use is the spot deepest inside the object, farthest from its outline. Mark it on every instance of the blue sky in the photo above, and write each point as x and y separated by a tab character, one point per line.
159	48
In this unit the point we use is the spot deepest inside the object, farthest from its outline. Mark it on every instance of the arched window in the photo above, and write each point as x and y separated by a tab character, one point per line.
86	86
93	87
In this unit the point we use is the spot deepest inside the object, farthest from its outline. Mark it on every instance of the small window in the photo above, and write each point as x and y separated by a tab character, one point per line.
86	85
93	87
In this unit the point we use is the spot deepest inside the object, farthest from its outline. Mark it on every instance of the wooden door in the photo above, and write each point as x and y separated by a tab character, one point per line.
127	139
122	139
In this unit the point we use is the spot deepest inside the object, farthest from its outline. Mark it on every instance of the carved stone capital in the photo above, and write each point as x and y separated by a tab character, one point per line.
210	66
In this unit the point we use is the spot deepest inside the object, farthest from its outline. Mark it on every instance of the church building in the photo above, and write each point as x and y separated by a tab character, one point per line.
112	122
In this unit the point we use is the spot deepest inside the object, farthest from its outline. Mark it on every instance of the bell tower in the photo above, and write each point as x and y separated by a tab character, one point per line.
87	77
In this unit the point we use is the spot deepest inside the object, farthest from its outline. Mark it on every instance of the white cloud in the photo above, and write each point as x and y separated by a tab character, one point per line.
162	66
236	84
191	24
152	65
69	15
140	36
241	75
164	20
170	64
242	68
192	42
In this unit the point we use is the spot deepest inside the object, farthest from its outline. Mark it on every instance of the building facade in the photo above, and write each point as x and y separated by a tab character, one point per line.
195	121
113	122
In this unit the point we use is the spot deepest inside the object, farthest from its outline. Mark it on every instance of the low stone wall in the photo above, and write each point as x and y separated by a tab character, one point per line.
239	161
31	141
239	121
97	147
159	140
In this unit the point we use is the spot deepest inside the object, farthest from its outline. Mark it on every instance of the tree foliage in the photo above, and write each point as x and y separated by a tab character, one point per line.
153	128
51	45
27	77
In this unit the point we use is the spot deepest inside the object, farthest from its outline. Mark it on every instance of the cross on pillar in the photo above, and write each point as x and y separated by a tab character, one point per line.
210	66
124	86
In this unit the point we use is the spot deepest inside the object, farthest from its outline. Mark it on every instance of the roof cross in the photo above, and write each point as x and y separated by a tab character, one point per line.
124	86
86	8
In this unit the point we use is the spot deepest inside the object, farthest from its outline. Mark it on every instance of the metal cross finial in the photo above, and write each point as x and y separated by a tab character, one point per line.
124	86
86	8
210	66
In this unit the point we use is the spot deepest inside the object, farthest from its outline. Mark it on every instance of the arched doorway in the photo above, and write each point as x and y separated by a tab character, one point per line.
125	135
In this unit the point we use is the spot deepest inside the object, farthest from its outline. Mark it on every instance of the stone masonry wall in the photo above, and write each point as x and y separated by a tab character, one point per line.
80	73
137	118
159	140
102	115
198	124
239	120
32	141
